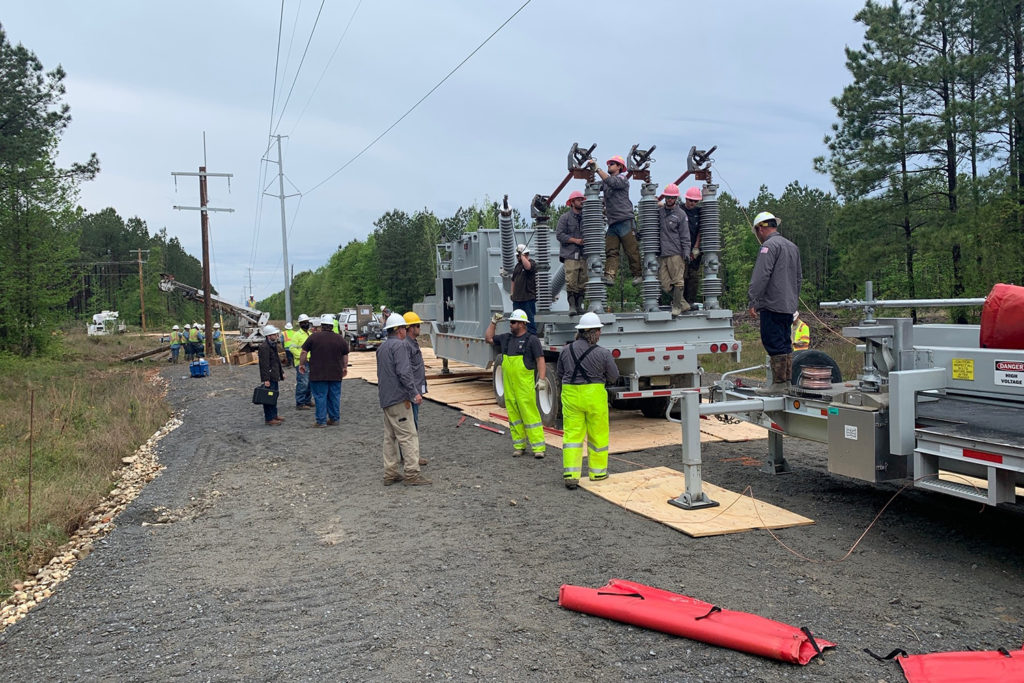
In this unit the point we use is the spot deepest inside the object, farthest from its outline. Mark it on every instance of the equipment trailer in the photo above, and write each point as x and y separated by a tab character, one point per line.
930	405
655	352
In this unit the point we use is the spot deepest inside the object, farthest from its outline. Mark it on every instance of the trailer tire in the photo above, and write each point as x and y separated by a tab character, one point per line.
654	407
814	358
498	382
550	402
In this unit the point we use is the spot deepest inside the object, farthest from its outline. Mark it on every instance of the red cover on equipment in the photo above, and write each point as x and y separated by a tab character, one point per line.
964	667
640	605
1002	318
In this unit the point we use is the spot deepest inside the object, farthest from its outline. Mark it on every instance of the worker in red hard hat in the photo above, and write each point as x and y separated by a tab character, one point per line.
621	229
691	207
569	233
674	233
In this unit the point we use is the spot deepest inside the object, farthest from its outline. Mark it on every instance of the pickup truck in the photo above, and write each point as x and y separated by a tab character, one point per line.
361	328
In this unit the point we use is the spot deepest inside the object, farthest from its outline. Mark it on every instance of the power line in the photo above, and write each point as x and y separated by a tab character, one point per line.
326	66
299	67
420	101
277	62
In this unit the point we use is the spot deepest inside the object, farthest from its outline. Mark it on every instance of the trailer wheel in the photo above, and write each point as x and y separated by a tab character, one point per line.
654	407
550	402
498	383
814	358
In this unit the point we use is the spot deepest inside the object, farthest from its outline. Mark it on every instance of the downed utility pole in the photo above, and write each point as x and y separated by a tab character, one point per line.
205	223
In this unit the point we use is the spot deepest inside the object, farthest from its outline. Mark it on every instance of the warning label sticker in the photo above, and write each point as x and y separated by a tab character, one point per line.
963	369
1009	373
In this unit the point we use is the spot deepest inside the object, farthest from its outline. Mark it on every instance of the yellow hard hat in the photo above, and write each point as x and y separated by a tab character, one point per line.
411	318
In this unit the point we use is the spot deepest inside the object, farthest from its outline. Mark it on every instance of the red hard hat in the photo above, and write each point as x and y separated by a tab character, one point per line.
576	194
671	190
694	194
617	159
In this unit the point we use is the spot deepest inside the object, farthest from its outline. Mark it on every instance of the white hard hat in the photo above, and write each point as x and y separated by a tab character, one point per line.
519	315
796	315
327	319
766	216
383	307
522	249
287	326
395	320
269	330
303	317
187	326
589	321
216	326
175	328
315	321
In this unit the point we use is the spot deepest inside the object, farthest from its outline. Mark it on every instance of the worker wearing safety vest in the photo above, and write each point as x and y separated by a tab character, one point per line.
193	341
303	396
286	335
521	355
801	333
584	369
217	347
175	344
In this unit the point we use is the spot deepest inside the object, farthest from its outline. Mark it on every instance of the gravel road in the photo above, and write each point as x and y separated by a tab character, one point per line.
276	554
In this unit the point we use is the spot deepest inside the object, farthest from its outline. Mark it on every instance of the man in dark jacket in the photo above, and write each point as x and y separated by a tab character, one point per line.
569	233
691	208
397	392
271	372
327	354
774	294
524	286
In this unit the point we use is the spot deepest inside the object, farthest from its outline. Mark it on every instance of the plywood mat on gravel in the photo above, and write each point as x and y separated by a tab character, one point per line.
647	491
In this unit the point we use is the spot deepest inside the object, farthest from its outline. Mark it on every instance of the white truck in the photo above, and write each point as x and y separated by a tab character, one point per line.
361	327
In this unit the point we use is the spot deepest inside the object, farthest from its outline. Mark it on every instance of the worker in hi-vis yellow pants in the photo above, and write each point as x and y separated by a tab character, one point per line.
522	355
584	368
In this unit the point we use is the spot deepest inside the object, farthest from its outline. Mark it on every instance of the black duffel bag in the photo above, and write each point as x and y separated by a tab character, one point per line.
264	396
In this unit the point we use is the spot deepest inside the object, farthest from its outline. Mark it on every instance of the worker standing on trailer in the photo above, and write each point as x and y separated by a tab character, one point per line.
396	390
521	357
327	368
621	229
801	334
773	295
692	198
674	233
584	369
175	343
524	286
271	372
569	233
303	397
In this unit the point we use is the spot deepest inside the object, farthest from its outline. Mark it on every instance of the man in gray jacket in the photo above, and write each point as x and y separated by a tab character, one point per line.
618	210
674	233
773	295
397	391
569	233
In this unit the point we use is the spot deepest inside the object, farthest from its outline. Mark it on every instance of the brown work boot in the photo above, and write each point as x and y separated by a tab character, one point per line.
780	382
415	479
390	479
331	422
518	453
571	484
538	454
424	461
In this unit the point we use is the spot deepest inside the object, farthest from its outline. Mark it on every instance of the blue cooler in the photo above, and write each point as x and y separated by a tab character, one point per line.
199	368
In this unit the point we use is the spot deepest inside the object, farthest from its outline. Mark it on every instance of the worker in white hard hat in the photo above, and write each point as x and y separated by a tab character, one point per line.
186	341
523	373
397	392
286	339
674	235
328	367
217	347
584	368
271	372
801	333
175	343
524	286
774	294
303	396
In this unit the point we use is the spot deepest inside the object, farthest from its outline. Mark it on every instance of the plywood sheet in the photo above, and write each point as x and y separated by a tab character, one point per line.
732	432
646	492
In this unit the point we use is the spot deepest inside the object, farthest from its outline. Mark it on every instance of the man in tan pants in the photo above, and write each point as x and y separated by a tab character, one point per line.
397	391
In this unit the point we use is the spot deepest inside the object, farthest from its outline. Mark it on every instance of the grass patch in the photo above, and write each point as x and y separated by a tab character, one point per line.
89	412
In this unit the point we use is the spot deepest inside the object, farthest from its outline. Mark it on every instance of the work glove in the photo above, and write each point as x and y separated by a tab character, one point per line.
502	272
542	384
695	253
497	318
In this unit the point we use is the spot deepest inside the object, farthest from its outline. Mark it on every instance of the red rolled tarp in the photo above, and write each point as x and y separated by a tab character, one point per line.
964	667
680	615
1002	318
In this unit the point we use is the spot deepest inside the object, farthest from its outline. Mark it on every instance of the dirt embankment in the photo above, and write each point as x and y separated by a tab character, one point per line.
275	553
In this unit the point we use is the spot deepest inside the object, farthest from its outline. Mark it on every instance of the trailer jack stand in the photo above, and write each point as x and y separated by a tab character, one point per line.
693	498
776	462
685	502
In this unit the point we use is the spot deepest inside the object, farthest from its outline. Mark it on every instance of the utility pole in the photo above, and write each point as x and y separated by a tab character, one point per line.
205	223
284	231
142	300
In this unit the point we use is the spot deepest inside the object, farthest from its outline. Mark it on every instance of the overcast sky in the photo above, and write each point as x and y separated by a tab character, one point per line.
145	80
